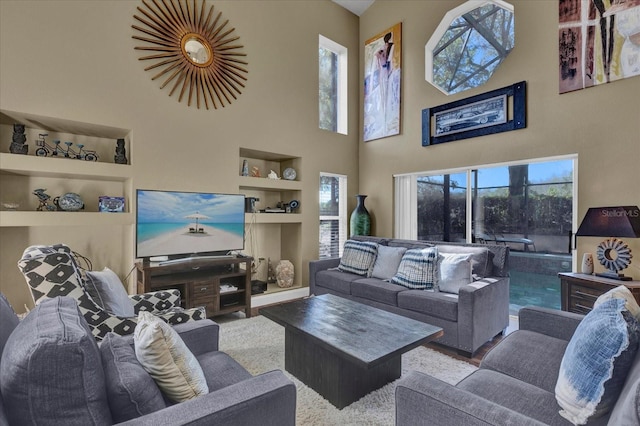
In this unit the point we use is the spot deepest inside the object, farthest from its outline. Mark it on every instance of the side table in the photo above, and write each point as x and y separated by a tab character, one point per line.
580	291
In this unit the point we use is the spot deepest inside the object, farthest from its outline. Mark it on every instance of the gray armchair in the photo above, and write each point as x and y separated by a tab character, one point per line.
53	372
514	385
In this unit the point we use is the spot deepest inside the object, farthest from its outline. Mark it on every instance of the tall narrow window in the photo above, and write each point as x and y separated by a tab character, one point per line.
332	82
333	214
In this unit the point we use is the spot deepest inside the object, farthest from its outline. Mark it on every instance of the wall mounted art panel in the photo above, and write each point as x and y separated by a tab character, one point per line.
598	42
500	110
382	82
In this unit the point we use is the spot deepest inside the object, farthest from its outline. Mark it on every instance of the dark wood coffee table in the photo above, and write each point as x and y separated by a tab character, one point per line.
342	349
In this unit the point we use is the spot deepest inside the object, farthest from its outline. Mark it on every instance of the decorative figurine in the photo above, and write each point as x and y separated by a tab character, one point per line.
245	168
69	202
273	175
255	171
271	276
44	200
44	149
18	145
121	153
81	154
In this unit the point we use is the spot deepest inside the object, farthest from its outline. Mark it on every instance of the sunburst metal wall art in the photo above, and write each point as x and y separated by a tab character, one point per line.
194	51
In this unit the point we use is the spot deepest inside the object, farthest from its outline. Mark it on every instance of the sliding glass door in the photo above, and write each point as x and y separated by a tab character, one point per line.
442	207
527	206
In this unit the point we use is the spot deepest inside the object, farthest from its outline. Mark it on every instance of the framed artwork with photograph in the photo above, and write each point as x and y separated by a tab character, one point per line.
476	115
500	110
382	82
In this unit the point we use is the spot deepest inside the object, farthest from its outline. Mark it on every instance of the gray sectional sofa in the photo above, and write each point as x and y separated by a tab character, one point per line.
53	372
469	319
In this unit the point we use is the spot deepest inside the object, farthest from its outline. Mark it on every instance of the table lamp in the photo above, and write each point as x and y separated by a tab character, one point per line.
613	253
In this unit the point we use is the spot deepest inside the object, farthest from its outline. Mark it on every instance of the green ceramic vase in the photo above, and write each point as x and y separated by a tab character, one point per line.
360	223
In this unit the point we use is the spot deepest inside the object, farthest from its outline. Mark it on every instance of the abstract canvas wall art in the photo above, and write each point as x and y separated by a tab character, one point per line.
598	42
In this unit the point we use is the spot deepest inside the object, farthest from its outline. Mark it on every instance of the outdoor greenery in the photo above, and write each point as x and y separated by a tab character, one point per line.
328	91
329	193
522	208
466	56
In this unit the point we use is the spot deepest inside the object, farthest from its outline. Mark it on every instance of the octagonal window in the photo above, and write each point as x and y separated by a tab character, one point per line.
470	43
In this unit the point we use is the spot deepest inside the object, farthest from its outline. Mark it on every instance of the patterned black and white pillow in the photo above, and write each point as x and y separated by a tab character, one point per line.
418	269
358	257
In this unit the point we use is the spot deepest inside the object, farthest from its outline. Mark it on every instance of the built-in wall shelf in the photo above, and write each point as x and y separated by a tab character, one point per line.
266	184
56	218
107	239
273	218
62	168
95	137
23	173
274	236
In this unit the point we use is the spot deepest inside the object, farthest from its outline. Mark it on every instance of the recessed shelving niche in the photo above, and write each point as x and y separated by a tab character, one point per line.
273	235
21	174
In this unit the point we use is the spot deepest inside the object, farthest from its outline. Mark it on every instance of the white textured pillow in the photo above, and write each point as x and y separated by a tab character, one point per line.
387	262
164	355
455	272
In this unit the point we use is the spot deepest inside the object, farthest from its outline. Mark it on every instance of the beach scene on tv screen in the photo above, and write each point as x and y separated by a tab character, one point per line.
184	222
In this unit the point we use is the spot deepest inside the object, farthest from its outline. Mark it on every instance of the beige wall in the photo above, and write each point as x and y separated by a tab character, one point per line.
600	124
75	60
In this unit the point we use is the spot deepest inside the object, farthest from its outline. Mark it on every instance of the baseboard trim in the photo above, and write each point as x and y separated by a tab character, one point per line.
279	297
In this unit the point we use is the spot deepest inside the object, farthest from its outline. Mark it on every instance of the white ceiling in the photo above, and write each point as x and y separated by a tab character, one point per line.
356	6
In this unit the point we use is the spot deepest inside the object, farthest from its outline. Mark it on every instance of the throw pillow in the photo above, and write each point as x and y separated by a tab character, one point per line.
481	258
621	292
106	289
596	362
358	257
51	369
164	355
418	269
387	262
455	272
131	390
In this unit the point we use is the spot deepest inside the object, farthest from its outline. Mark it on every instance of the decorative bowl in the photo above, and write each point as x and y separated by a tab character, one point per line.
69	202
10	206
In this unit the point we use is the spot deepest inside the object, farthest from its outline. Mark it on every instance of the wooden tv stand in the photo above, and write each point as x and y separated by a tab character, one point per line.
199	282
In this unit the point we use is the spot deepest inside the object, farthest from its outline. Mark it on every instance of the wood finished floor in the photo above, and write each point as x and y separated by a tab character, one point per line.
481	352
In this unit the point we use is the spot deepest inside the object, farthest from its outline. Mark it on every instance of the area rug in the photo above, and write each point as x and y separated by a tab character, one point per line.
258	345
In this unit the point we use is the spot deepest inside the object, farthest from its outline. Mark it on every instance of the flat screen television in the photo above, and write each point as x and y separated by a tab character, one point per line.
186	224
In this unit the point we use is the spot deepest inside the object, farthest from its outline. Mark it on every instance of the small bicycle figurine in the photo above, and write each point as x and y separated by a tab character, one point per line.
87	154
45	149
81	154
